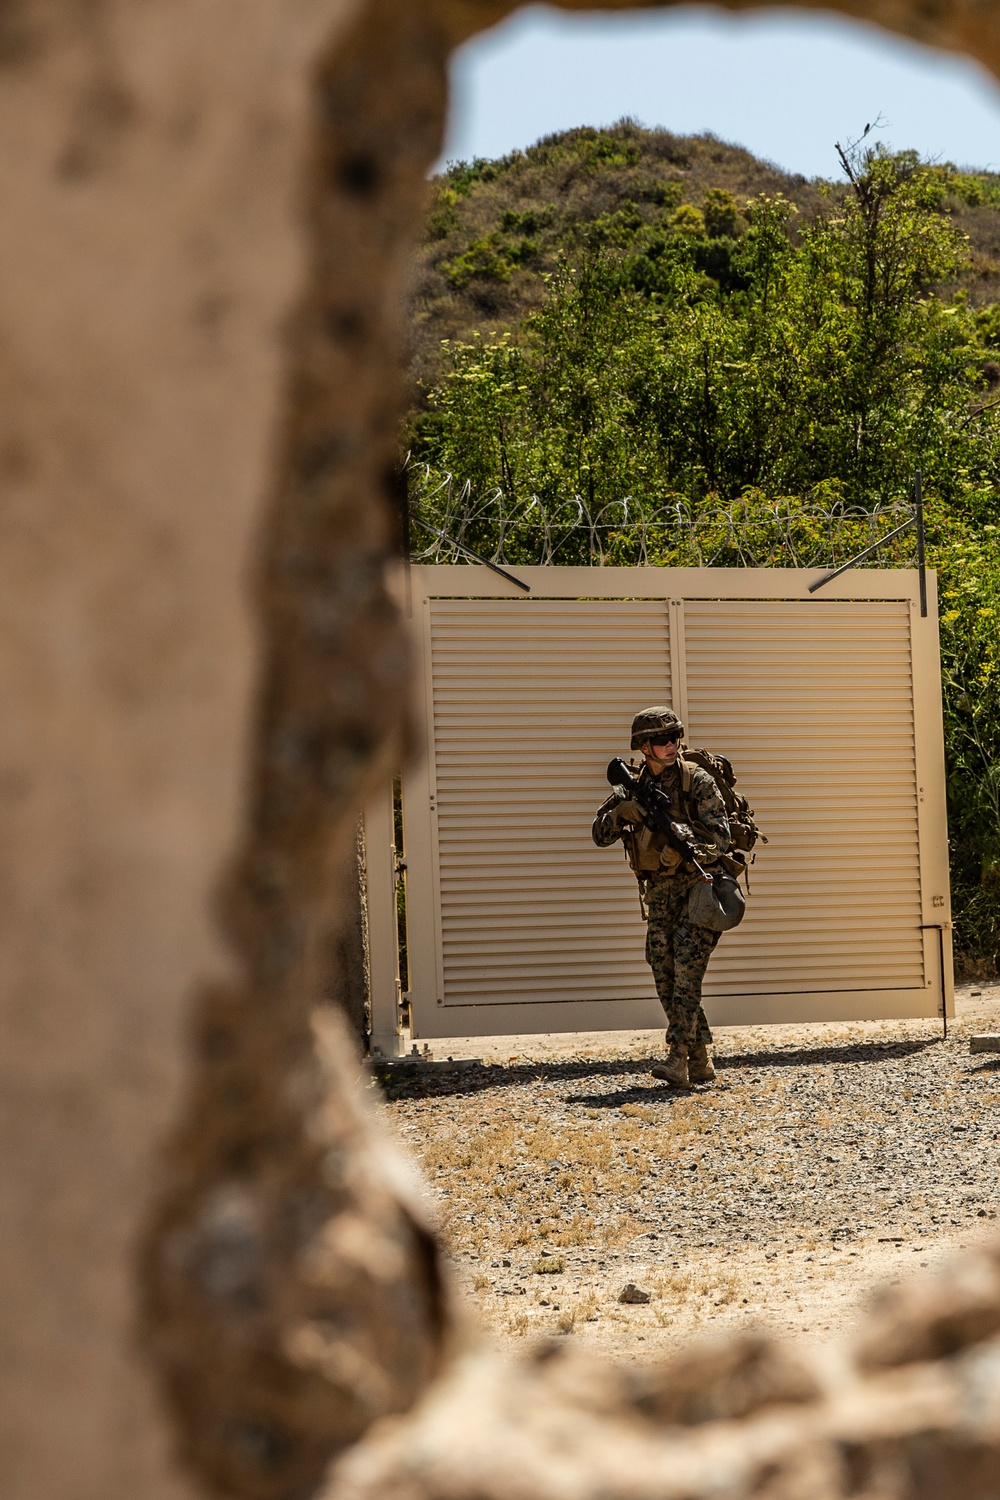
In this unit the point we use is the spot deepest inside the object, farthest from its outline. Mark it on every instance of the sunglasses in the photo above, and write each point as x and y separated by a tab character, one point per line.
666	739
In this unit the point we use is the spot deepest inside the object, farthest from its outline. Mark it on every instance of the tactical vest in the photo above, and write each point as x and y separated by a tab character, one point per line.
647	851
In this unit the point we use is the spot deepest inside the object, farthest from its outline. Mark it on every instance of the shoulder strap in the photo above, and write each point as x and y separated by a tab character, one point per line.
687	770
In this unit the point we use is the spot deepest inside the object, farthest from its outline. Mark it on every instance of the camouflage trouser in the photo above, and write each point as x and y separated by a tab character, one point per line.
678	955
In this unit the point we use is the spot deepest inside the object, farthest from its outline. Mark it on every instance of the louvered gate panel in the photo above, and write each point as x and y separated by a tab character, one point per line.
829	708
529	698
813	703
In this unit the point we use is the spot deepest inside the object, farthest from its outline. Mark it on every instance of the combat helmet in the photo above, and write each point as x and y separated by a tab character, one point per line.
650	722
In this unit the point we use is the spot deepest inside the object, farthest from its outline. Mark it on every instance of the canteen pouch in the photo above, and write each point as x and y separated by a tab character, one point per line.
716	906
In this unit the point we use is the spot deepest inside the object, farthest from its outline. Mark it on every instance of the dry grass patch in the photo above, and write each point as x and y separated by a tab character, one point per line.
568	1177
685	1286
571	1182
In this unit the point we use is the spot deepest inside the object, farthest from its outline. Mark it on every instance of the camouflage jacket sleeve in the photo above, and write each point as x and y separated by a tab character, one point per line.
607	826
708	816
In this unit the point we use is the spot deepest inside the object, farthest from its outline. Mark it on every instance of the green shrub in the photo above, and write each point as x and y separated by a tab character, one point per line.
482	261
721	215
688	220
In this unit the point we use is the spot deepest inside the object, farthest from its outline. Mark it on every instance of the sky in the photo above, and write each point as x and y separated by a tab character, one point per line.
785	84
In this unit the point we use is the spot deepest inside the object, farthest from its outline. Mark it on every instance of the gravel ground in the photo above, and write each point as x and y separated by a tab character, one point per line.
823	1160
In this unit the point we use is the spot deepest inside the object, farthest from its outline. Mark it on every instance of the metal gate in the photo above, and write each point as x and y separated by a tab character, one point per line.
829	709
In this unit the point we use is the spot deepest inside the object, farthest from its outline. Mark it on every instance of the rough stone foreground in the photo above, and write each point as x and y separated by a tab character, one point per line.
822	1162
912	1412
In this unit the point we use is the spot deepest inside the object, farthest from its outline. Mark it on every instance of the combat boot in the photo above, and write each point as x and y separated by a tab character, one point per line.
700	1069
675	1069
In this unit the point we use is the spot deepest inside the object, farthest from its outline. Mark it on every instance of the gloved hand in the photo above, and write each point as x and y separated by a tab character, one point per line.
628	811
684	831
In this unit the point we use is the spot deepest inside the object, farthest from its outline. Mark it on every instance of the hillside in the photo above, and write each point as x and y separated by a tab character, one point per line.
495	228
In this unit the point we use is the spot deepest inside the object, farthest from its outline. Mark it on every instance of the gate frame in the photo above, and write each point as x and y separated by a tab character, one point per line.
422	583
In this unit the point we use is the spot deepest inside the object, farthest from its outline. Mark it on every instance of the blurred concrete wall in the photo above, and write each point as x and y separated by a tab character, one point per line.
206	215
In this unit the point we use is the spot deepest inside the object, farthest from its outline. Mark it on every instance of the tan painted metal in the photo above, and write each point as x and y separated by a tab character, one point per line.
383	959
829	707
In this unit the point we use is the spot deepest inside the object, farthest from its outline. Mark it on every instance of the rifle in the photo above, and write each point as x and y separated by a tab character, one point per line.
656	809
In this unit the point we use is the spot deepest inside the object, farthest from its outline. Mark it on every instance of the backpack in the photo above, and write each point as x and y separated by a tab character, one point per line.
742	824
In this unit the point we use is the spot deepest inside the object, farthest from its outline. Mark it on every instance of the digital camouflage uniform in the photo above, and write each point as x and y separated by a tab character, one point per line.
676	951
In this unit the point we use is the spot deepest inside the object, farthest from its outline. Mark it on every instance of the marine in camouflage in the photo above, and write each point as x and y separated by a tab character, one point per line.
676	951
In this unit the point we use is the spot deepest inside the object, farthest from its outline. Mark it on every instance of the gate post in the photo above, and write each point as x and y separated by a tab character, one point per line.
383	950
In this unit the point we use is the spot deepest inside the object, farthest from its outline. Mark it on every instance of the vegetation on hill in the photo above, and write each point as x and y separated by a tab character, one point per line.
642	326
495	229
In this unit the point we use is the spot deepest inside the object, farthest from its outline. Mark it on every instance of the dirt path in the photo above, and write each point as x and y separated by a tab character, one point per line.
825	1160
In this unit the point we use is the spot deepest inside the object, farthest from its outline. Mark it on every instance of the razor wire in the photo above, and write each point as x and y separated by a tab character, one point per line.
752	531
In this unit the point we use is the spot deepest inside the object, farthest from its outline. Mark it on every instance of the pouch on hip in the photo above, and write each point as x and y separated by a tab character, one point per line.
716	906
